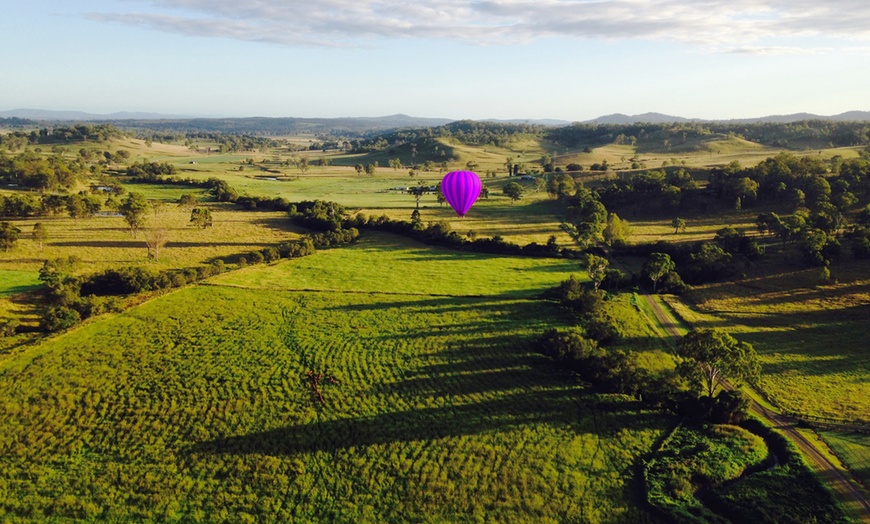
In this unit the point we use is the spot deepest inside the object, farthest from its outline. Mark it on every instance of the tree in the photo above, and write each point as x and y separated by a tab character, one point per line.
303	164
8	235
745	189
155	239
616	231
133	210
439	195
596	267
156	205
678	224
395	163
863	217
417	191
187	200
75	206
711	356
201	217
371	168
657	266
561	185
513	190
39	234
588	216
359	169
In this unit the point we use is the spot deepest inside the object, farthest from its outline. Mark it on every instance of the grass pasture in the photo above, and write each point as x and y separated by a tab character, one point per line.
105	241
807	334
382	263
196	406
853	449
15	282
532	219
699	458
810	337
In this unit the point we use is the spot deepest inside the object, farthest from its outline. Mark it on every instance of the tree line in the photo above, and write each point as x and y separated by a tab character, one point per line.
706	357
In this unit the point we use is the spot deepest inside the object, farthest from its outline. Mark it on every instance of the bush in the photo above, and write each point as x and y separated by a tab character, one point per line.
609	371
8	327
727	407
673	284
178	279
58	318
861	247
123	281
91	306
270	254
299	248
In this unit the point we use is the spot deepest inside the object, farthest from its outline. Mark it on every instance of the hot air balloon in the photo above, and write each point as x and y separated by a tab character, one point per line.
461	189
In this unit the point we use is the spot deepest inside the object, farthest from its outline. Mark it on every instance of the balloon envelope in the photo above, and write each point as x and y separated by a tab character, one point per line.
461	189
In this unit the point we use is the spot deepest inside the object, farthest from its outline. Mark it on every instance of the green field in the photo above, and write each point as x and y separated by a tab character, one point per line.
806	334
105	241
852	448
381	263
196	406
15	282
694	458
533	219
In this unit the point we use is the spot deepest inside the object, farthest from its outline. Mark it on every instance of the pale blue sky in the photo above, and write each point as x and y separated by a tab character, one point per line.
564	59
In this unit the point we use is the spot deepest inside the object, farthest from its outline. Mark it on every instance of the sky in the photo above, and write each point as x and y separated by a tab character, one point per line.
529	59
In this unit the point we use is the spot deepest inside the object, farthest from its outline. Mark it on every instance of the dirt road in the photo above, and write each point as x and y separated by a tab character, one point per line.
850	494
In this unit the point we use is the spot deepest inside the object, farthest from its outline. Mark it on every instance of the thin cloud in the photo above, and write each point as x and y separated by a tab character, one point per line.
712	24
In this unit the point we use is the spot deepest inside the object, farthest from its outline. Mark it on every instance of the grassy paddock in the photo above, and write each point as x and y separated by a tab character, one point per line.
533	219
197	406
853	449
805	333
14	282
388	263
808	335
103	242
695	458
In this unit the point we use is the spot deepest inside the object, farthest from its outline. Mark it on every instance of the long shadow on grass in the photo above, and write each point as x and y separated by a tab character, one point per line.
138	244
504	304
560	407
489	380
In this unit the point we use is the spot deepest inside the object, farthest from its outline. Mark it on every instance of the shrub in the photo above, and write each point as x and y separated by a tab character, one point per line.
57	318
257	257
123	281
299	248
8	327
270	254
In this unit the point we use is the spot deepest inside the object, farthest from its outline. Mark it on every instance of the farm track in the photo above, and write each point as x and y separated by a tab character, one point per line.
842	483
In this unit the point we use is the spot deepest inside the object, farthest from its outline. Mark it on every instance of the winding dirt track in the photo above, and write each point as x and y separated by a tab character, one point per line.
849	493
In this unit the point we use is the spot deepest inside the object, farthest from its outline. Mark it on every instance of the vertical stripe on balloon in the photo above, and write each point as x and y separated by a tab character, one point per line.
461	189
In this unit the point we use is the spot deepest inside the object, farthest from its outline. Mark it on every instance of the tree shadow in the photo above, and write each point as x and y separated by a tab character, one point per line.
490	380
140	244
555	406
280	224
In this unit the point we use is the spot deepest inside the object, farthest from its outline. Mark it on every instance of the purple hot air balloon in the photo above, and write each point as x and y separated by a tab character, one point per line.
461	189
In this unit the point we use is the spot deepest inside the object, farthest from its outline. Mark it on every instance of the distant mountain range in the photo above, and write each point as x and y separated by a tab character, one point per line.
291	125
659	118
81	116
